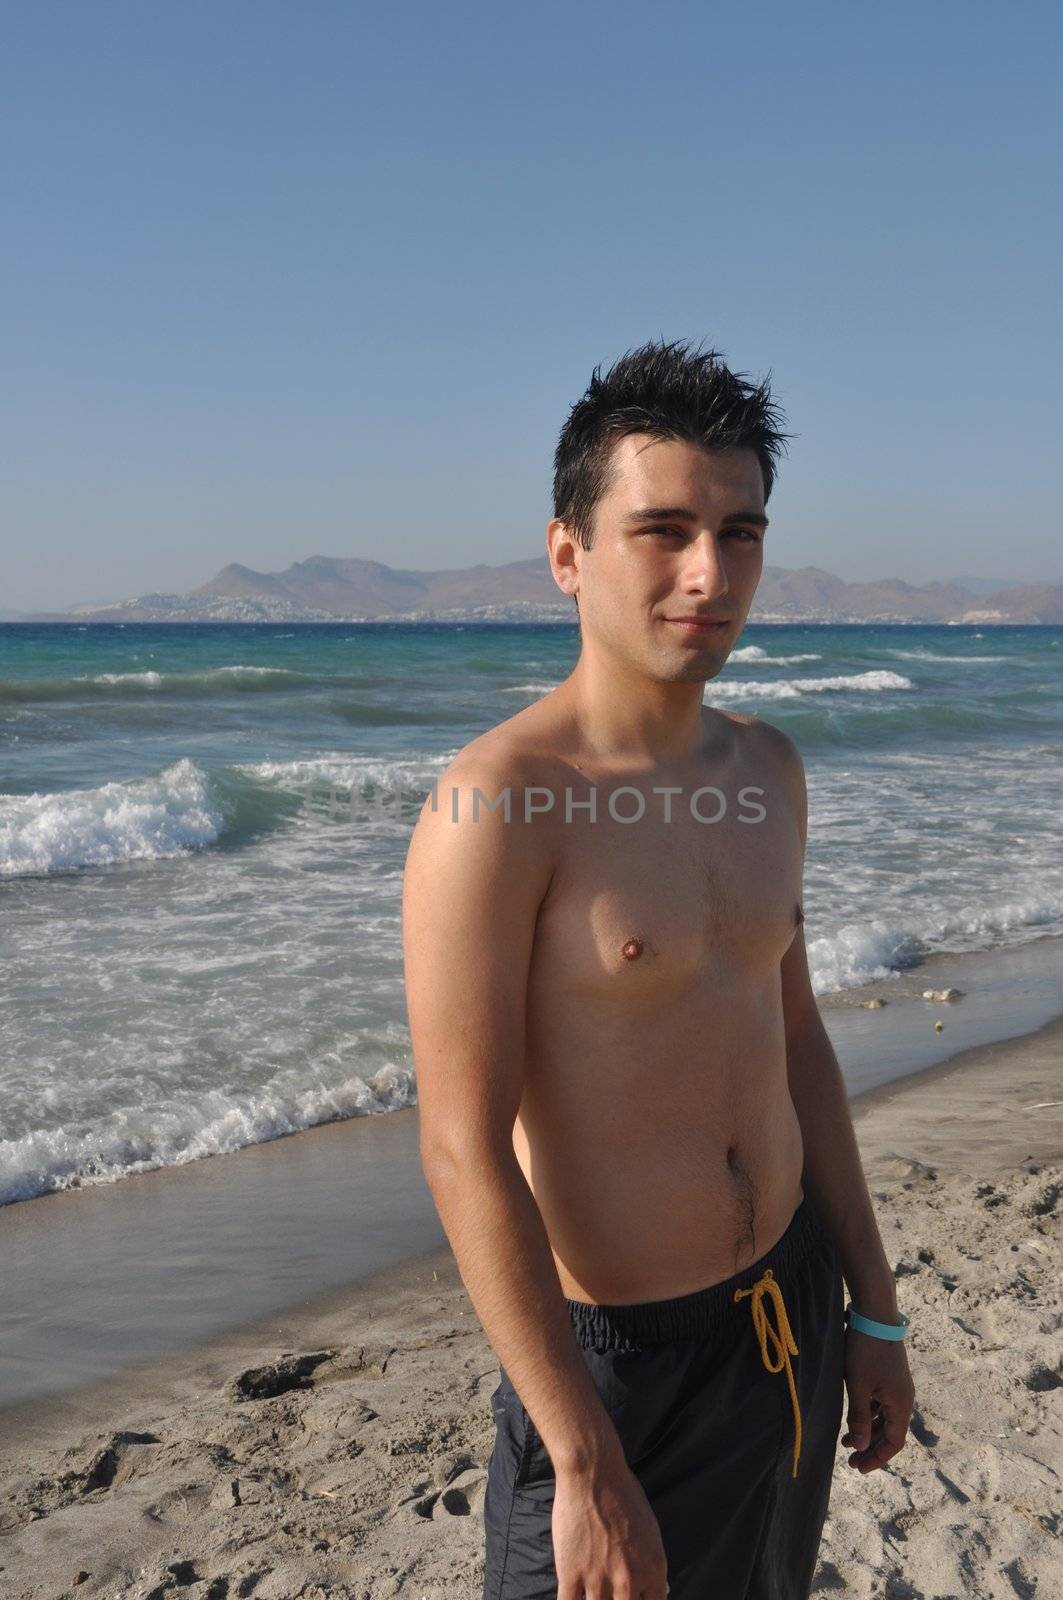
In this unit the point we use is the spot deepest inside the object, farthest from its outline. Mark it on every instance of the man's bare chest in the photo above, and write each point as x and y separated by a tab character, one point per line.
641	911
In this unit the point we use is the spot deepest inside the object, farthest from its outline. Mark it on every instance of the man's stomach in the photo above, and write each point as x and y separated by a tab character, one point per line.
658	1173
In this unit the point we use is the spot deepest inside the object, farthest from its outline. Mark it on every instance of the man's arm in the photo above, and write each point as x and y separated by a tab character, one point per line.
472	892
877	1376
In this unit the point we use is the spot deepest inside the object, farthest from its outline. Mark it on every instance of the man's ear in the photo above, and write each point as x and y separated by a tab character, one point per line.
563	552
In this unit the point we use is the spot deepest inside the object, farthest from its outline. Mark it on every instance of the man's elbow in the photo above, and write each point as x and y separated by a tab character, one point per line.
462	1156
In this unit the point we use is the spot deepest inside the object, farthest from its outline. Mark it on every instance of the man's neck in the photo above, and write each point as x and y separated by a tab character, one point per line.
628	719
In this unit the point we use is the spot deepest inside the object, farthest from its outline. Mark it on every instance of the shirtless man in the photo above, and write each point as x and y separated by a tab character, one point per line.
632	1121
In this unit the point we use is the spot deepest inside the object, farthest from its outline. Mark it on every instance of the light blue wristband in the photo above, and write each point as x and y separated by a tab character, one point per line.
877	1330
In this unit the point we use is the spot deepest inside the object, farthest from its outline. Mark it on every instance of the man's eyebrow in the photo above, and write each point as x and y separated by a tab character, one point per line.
685	514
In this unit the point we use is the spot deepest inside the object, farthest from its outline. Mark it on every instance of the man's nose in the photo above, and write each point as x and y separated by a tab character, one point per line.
703	570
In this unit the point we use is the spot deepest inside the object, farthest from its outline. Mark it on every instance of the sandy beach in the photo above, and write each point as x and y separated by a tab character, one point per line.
340	1451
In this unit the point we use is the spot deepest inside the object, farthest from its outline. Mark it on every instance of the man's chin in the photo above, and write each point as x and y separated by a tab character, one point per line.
701	668
706	662
690	665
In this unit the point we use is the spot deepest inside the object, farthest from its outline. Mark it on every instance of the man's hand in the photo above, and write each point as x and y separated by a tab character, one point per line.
881	1397
606	1537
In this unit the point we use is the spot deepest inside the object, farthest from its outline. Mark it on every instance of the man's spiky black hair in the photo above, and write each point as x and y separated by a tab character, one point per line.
669	392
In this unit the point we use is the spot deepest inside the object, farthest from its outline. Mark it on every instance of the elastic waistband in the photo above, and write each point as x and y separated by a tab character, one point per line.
704	1311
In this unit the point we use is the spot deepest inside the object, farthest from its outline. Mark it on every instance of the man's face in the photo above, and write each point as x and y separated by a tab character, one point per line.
649	579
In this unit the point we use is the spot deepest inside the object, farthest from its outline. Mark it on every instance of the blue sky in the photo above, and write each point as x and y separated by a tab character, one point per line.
286	280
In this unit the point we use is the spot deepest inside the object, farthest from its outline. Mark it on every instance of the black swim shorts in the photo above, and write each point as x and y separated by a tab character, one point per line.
735	1458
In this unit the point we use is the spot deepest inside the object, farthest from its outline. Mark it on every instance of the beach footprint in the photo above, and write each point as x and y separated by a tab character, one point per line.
462	1497
456	1490
310	1370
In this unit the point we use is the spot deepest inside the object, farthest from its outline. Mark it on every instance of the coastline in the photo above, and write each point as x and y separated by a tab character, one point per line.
166	1261
340	1448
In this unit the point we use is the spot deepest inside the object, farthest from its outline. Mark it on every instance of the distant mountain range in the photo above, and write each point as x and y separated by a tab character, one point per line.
329	589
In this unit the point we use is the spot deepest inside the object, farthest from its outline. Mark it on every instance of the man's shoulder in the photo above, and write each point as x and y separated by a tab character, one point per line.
513	752
771	755
774	741
491	781
778	759
756	736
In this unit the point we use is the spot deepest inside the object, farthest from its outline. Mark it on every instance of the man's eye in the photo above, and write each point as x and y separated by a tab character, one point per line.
746	534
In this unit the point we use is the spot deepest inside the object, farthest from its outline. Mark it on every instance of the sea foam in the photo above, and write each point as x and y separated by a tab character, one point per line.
136	1138
159	816
877	681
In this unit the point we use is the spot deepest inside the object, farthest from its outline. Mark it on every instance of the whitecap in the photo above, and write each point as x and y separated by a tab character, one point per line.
150	818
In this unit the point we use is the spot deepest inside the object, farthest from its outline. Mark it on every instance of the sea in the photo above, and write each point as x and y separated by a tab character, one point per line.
203	832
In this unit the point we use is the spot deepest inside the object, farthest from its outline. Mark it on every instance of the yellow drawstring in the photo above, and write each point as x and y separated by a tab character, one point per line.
782	1339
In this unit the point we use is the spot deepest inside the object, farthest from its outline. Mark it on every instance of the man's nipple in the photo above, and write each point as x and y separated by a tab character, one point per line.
632	950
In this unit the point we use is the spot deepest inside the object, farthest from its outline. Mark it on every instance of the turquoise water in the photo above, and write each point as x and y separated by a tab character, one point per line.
201	950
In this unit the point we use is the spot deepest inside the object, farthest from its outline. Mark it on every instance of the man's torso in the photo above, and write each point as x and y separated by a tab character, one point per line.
656	1128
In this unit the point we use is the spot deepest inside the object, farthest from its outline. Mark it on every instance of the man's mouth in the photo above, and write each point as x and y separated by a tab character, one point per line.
699	625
